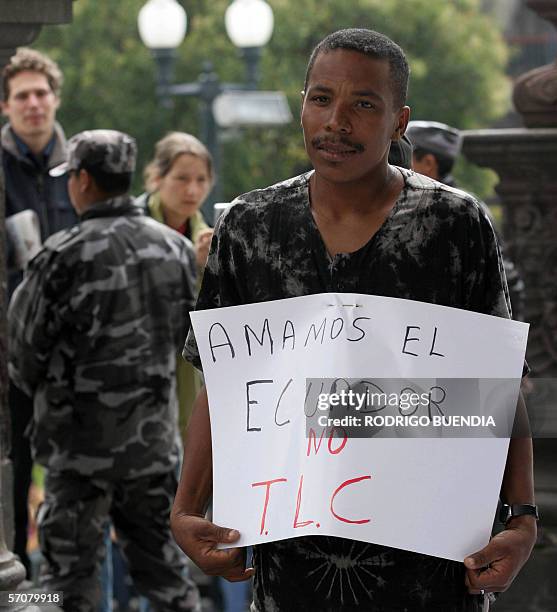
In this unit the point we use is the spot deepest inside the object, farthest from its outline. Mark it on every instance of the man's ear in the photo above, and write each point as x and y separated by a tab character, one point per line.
431	162
428	165
84	180
402	123
4	105
57	101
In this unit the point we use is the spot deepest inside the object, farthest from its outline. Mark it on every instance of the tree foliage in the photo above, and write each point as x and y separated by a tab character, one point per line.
457	58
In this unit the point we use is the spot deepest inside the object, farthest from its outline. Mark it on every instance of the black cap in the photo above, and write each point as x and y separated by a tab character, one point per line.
436	138
108	150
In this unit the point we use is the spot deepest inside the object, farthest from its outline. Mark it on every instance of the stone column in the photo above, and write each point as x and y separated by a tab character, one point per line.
526	161
20	23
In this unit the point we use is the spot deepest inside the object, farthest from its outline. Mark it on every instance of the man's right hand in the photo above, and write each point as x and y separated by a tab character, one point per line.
199	538
196	536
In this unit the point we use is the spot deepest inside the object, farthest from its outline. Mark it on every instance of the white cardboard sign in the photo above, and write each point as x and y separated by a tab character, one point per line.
436	496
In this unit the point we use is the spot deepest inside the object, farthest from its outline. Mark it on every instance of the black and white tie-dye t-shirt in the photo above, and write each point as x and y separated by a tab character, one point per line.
435	246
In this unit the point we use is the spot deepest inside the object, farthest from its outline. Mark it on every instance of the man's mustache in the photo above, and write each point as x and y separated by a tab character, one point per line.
321	140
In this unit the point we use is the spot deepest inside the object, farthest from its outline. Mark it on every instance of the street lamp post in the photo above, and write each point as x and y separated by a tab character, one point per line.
162	27
249	25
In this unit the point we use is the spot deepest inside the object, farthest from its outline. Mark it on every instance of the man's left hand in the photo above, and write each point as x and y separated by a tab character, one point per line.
493	568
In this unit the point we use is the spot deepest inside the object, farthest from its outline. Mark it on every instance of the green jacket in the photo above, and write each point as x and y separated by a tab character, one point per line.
152	205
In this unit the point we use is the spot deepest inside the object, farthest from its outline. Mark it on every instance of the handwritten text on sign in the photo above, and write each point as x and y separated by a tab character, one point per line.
272	481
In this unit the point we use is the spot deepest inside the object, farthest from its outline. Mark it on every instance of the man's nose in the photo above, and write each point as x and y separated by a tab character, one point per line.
338	119
33	99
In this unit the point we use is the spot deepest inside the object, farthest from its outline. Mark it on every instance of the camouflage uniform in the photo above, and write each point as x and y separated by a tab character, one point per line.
94	328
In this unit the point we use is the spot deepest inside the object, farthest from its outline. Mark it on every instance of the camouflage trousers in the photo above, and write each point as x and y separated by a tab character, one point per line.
72	523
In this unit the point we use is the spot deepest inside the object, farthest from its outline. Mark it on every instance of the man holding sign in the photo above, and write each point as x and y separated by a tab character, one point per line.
353	225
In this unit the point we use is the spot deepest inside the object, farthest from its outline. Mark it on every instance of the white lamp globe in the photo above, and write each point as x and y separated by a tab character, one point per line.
249	23
162	24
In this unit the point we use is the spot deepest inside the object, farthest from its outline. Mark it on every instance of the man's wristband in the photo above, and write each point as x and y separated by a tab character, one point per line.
510	511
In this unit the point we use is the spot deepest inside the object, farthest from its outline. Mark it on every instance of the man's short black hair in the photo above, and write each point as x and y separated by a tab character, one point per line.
444	164
373	44
112	184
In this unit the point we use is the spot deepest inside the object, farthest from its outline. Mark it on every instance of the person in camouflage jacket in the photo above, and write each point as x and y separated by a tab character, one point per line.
94	331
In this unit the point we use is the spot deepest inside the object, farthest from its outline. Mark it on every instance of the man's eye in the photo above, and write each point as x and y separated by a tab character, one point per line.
320	99
365	104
